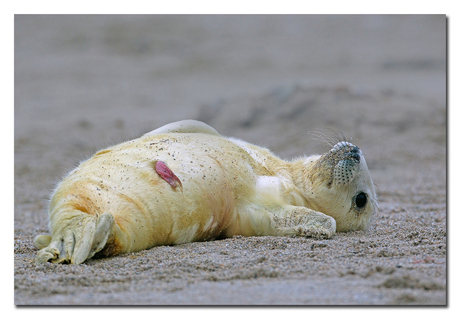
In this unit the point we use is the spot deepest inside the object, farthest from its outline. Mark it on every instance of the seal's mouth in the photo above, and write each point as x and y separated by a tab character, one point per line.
342	162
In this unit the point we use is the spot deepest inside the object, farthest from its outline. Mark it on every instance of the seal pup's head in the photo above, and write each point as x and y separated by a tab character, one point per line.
342	187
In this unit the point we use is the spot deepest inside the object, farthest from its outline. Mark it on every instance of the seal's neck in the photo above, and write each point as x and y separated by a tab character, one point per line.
295	173
299	169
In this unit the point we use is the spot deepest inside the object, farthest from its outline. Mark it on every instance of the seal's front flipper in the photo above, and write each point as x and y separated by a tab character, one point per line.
76	241
302	221
185	126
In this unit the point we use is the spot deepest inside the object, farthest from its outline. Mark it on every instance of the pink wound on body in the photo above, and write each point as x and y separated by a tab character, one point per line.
163	170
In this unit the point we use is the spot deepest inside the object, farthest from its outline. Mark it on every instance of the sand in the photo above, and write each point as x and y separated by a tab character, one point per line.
86	82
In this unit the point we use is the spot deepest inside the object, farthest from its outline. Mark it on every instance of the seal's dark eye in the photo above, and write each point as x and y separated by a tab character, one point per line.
361	200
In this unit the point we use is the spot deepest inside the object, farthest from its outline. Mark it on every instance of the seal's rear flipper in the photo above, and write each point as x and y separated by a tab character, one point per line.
185	126
42	241
76	241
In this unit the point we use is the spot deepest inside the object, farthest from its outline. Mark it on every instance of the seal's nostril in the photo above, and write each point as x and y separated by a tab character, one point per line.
355	149
354	155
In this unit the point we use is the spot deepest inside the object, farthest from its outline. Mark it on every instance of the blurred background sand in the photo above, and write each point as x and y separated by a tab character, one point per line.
86	82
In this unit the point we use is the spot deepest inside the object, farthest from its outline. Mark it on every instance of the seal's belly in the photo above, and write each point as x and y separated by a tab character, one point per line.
216	178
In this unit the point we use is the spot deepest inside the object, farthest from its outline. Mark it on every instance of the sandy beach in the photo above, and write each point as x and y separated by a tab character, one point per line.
86	82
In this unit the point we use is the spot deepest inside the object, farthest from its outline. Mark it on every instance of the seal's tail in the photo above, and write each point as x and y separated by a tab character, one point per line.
75	239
